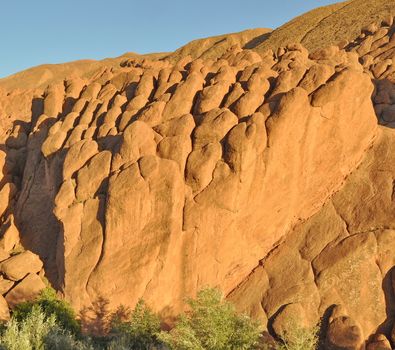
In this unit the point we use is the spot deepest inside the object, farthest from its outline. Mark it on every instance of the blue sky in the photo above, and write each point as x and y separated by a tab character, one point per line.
34	32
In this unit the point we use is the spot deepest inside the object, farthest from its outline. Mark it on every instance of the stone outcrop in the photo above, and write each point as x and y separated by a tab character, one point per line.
345	247
19	266
165	199
266	175
21	271
27	289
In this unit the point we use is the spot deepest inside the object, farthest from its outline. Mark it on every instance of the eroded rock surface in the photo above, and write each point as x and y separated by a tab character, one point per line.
266	175
188	194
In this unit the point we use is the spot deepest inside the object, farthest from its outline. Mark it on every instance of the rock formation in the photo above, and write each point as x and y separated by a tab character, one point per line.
22	273
262	172
342	255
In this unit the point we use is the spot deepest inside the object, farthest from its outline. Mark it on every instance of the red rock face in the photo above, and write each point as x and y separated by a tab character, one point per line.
200	181
342	254
153	182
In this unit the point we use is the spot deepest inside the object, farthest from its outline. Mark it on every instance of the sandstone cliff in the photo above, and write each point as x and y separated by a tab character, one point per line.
263	172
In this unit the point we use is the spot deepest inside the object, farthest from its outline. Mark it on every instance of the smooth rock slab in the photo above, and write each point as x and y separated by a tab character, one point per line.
5	285
18	266
28	289
4	310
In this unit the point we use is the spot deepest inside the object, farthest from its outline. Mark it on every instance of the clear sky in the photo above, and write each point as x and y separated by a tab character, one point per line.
34	32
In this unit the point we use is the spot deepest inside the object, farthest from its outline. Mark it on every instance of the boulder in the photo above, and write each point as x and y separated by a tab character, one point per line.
138	140
344	81
178	126
5	285
316	76
378	342
213	127
53	143
236	92
343	333
9	235
152	113
91	91
4	310
26	290
77	156
379	68
91	178
211	97
176	148
182	100
200	165
3	255
290	320
287	80
247	104
20	265
73	87
53	100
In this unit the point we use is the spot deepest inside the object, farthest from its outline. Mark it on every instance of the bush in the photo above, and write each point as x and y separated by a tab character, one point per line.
30	333
50	305
120	342
59	339
298	338
212	324
139	332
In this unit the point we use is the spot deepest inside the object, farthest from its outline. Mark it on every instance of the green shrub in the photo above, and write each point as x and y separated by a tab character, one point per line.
139	332
120	342
29	333
299	338
212	324
50	305
38	331
59	339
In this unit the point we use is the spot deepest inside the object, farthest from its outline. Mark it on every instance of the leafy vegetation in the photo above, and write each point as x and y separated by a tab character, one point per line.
140	332
50	305
29	332
298	338
210	324
38	331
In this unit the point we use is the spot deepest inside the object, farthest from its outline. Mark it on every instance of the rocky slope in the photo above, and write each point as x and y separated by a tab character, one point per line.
329	25
262	172
342	256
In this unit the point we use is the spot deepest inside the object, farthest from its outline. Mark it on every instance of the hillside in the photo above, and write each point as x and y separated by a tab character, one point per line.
213	47
330	24
316	29
240	161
